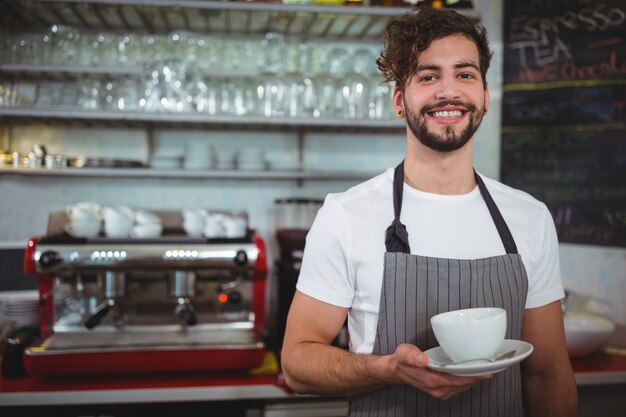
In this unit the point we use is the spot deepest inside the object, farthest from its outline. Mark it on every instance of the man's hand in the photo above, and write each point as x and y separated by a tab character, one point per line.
411	367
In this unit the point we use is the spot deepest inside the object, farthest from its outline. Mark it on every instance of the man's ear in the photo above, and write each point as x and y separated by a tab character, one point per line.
487	99
398	99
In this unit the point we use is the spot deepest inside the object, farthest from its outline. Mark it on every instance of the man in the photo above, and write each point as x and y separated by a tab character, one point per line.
427	237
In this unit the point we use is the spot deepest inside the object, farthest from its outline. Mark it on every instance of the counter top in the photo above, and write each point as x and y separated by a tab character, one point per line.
140	389
606	367
597	369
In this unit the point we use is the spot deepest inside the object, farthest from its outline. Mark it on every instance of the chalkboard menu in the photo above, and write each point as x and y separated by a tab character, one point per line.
564	113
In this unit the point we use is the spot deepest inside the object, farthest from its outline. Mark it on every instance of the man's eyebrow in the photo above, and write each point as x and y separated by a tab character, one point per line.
465	64
461	64
428	68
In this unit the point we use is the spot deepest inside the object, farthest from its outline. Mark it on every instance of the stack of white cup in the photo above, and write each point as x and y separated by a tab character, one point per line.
224	225
147	225
84	219
201	222
193	221
118	221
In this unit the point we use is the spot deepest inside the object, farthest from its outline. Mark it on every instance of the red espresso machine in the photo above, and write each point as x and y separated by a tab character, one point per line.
147	305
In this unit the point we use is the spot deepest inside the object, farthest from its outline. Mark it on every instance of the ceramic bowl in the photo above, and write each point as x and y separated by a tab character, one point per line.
586	333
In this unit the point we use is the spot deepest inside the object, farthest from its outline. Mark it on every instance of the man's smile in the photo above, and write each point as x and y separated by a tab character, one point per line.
449	112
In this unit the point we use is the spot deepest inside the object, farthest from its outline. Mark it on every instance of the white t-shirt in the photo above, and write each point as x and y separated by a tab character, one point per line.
344	253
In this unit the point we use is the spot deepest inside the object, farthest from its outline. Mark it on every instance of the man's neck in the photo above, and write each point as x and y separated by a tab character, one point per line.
439	173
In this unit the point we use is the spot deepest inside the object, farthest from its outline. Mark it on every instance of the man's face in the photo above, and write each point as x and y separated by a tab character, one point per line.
445	100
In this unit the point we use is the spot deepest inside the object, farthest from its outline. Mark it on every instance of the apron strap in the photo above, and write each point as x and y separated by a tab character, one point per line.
397	237
503	229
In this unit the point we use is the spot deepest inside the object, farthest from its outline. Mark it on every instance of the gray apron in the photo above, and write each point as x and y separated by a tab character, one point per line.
415	288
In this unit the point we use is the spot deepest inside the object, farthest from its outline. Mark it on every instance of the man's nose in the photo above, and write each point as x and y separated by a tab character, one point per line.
447	90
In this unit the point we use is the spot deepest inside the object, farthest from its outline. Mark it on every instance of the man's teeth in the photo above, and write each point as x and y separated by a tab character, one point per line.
453	113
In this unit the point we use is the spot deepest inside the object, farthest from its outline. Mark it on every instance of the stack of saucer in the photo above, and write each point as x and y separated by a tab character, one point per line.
167	156
224	160
199	156
20	308
281	162
251	160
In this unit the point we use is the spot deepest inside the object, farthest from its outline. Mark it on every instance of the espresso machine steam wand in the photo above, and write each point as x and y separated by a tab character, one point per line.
114	287
182	287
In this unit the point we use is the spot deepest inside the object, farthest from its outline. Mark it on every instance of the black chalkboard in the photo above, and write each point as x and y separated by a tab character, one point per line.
564	113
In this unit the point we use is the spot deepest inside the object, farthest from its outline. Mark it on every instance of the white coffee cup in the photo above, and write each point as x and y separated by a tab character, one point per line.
193	227
234	227
117	229
194	215
117	221
470	334
145	217
83	228
214	226
85	210
146	230
118	214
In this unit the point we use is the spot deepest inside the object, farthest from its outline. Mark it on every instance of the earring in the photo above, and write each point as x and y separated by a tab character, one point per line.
400	112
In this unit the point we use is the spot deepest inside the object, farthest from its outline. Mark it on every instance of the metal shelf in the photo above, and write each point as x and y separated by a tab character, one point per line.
73	116
211	17
74	72
64	72
189	174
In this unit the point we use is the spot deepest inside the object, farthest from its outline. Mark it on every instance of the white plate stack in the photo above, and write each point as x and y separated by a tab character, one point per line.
282	162
199	156
19	308
167	156
251	160
225	160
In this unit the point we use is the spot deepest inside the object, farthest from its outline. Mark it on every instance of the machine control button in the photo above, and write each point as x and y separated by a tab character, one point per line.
180	254
241	258
234	297
50	258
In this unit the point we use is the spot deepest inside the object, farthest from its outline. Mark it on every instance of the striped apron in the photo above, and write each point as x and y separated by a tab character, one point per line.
415	288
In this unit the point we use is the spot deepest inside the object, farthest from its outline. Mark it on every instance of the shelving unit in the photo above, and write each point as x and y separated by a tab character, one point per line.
303	23
211	17
189	174
72	116
63	72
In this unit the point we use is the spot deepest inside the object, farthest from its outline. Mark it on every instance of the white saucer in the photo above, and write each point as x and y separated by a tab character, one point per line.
439	360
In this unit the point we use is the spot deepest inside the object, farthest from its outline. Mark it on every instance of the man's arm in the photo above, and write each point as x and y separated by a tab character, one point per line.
311	365
547	376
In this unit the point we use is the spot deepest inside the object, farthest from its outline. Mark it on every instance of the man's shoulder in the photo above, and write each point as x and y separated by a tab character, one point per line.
376	188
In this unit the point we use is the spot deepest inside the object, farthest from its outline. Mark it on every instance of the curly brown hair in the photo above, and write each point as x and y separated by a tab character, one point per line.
407	36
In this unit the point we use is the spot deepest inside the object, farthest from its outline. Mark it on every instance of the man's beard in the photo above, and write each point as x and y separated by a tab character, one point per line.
448	141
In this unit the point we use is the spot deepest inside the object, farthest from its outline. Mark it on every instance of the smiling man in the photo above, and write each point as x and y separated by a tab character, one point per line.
430	236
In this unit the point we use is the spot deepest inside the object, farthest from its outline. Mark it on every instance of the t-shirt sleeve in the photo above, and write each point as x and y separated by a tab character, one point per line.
325	273
544	282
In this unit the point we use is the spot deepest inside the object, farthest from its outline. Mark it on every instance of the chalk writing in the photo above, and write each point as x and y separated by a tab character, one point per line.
564	113
539	41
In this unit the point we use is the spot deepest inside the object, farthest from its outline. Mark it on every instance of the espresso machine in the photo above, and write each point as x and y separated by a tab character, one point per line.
173	303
